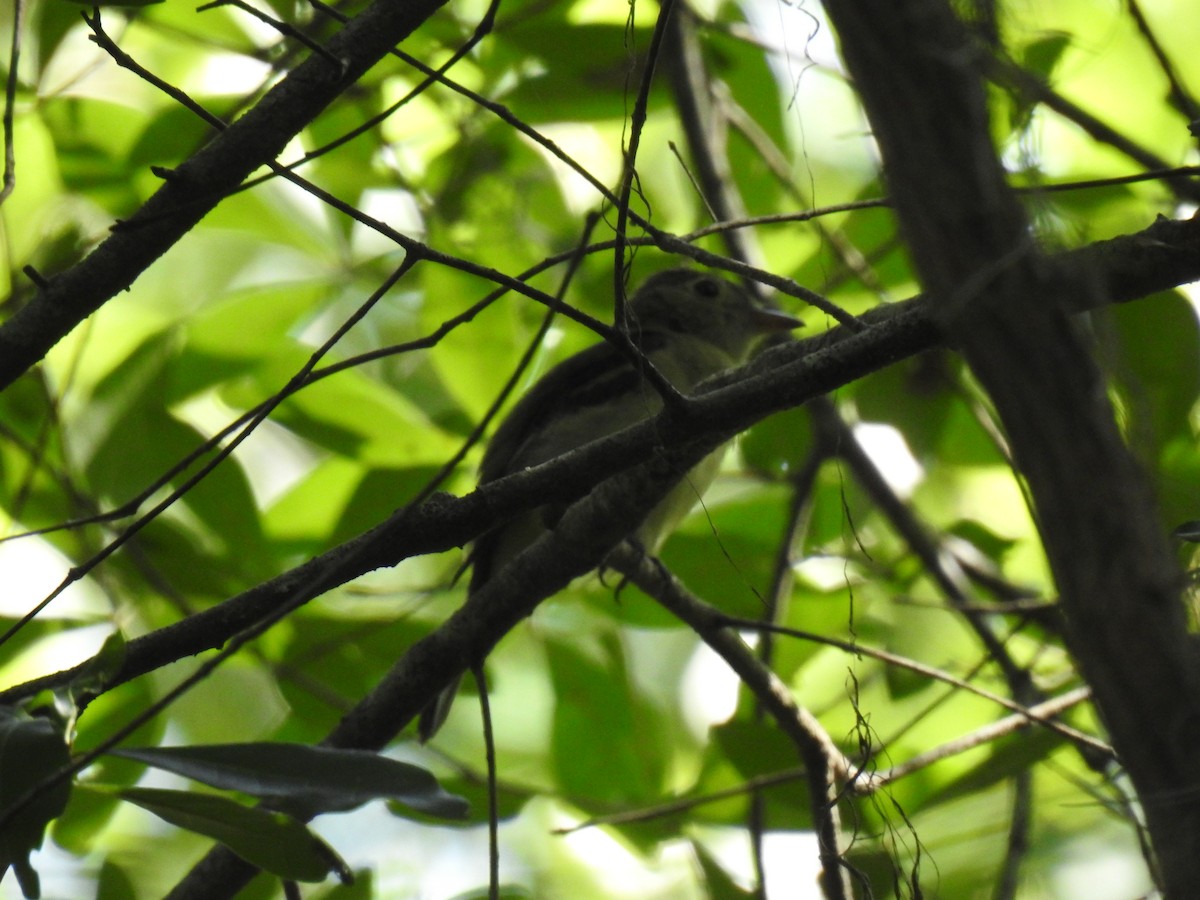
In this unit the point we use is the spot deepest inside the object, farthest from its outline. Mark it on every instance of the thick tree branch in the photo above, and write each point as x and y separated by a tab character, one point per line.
998	299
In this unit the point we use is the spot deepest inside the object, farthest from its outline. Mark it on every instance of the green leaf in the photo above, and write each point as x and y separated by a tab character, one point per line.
1043	54
305	780
1188	531
381	492
172	134
270	840
114	883
746	748
754	749
1041	57
597	706
117	4
984	539
30	750
1158	367
778	445
1009	758
586	70
718	882
915	397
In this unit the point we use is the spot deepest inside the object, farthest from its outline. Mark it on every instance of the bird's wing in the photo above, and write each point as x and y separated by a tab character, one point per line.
578	384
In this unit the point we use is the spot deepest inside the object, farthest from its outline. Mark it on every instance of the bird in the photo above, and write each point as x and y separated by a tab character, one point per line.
689	325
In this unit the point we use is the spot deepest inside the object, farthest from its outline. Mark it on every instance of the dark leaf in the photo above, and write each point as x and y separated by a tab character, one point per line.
270	840
30	750
306	780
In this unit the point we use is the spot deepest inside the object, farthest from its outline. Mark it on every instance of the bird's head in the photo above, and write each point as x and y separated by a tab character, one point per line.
698	304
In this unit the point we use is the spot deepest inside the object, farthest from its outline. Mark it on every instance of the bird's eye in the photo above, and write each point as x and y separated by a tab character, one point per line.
708	287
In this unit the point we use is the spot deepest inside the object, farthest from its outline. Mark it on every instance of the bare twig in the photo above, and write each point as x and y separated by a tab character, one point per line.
941	566
1180	95
637	121
10	99
493	814
750	786
284	28
1041	714
864	783
893	659
1005	71
1009	881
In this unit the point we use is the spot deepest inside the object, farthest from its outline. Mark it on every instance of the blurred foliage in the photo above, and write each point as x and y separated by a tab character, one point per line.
604	704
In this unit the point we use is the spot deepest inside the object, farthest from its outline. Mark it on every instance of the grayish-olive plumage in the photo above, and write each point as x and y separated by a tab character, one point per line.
690	325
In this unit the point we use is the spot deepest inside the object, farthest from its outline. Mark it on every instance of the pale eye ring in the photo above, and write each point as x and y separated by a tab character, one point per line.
708	287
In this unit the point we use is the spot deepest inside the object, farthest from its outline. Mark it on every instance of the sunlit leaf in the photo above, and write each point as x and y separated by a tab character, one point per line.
720	885
119	4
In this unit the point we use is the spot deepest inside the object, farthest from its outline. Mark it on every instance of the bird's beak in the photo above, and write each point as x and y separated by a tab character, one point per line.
768	320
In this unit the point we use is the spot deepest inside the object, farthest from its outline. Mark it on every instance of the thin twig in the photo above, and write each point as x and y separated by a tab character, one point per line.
1005	71
750	786
410	245
671	397
10	100
1180	95
1042	714
489	748
482	29
637	121
941	566
131	506
893	659
284	28
1009	881
863	784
